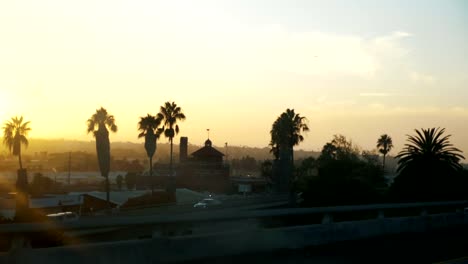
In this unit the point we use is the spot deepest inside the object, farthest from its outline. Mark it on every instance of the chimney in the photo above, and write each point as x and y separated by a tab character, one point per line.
183	149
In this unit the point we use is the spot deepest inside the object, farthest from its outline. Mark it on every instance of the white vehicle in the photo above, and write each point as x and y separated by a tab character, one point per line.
64	217
207	202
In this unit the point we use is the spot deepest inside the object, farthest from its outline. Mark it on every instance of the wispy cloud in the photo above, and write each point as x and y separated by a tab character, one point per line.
422	78
375	94
379	94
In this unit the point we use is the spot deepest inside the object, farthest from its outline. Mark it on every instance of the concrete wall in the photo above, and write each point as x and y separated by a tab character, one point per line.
176	249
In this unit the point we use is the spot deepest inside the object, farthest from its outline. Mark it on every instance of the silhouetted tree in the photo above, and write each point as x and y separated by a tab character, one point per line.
286	132
344	177
148	127
429	168
384	144
14	135
305	171
429	146
170	113
100	123
130	180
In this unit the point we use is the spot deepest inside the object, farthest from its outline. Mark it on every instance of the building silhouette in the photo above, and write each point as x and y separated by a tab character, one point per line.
204	170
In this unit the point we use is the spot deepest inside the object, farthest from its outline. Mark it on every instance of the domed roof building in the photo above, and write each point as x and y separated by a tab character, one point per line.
208	154
204	170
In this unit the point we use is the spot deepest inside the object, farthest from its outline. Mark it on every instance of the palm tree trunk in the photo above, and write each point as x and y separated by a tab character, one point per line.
292	198
383	165
171	180
19	158
170	166
151	176
107	193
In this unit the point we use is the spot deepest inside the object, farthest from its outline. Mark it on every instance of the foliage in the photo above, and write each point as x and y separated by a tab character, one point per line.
246	163
384	145
340	176
99	124
429	145
322	191
429	168
130	180
148	127
14	135
266	171
304	172
286	132
170	113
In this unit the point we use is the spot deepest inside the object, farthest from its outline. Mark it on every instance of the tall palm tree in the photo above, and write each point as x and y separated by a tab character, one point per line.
148	127
286	131
384	144
14	135
285	134
170	113
100	123
429	147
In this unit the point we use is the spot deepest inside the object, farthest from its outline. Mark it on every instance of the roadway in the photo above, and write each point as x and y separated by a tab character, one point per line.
185	210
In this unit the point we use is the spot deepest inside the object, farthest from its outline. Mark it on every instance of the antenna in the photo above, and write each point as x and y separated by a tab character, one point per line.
227	156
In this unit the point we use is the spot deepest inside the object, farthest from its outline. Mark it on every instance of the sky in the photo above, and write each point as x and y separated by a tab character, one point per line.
357	68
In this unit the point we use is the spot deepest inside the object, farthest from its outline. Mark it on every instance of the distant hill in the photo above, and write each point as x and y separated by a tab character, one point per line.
133	150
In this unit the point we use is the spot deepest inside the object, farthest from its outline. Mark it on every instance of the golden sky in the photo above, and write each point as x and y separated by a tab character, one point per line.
233	66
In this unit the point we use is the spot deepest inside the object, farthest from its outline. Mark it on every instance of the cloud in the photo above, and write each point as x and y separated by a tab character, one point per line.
422	78
238	49
375	94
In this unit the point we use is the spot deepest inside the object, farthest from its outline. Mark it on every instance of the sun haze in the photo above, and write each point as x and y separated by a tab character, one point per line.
360	69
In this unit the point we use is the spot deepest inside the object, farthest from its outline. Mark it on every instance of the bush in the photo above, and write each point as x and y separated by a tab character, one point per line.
325	192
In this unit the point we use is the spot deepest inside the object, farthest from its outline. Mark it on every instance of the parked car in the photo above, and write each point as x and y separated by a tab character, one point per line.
207	202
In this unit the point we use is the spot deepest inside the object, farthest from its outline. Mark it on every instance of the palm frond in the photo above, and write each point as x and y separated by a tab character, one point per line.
429	146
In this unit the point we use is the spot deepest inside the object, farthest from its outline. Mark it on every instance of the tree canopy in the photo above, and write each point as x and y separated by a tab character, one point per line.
14	135
429	168
286	131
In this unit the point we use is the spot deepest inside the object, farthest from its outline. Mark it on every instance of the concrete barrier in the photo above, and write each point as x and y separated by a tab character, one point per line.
179	249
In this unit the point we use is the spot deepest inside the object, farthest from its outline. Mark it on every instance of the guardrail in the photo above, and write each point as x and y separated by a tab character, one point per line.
227	215
377	220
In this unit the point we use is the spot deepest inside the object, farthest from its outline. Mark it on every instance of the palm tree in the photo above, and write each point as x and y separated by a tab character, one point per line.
14	135
429	168
285	134
99	123
286	131
384	144
170	113
148	127
429	147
